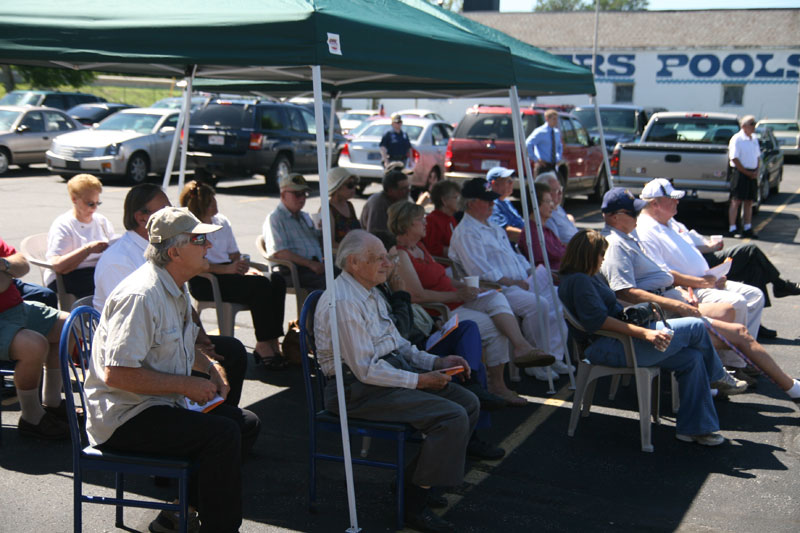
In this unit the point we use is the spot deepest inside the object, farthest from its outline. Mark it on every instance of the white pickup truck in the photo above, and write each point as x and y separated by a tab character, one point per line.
689	148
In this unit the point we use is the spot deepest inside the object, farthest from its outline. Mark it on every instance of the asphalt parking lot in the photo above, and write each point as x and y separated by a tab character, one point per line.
598	480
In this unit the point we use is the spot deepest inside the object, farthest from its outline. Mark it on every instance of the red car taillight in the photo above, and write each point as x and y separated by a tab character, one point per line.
345	150
614	163
415	155
448	155
255	141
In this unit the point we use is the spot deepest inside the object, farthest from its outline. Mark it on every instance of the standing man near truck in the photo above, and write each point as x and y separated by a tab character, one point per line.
544	144
743	155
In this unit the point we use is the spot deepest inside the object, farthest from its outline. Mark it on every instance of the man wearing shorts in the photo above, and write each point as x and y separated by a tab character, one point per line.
29	336
743	154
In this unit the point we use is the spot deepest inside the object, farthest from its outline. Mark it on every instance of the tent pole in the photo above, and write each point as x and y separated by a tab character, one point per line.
593	97
187	112
173	150
327	249
332	129
516	124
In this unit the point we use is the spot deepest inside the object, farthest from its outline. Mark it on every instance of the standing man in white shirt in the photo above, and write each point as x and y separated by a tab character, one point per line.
743	154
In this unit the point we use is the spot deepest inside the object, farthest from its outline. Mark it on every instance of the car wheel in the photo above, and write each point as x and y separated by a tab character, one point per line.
765	189
434	176
600	188
138	168
5	160
562	179
282	167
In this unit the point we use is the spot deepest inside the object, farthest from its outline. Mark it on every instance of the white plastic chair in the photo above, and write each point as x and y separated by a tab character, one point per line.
34	248
588	374
299	292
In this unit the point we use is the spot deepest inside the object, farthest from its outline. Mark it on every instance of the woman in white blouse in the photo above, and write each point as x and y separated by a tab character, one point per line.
78	237
265	295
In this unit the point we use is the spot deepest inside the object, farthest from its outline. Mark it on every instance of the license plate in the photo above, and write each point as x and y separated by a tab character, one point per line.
217	140
373	156
488	164
73	165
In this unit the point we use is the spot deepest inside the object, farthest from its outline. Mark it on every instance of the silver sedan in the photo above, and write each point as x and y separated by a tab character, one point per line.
362	155
26	133
132	143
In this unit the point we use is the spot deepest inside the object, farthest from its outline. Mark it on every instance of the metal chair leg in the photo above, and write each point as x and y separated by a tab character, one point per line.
183	496
120	489
401	454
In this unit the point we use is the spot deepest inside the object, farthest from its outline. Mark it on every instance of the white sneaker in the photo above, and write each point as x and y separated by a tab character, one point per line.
730	385
560	367
708	439
540	373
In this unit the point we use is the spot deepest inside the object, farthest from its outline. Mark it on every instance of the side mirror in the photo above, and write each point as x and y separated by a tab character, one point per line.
594	140
22	128
166	130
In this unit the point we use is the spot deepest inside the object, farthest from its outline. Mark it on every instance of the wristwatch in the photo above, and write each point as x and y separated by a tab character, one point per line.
6	264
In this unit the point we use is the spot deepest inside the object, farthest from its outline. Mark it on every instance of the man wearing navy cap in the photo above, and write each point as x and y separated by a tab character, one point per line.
504	214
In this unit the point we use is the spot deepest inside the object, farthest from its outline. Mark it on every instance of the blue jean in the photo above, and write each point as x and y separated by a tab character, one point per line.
36	293
693	359
465	341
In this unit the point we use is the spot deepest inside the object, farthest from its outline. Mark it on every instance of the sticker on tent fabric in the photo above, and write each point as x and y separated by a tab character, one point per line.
334	46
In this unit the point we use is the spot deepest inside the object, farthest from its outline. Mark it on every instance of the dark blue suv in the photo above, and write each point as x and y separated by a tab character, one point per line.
235	139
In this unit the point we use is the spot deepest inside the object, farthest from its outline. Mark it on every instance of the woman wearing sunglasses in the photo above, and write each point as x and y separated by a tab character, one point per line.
342	187
78	237
265	295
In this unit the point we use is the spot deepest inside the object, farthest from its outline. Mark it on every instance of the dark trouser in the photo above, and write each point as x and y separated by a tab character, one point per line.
750	265
447	418
308	278
743	187
264	295
212	441
543	166
37	293
79	282
235	365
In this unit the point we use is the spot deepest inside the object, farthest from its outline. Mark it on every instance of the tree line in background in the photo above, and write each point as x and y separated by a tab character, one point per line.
45	78
588	5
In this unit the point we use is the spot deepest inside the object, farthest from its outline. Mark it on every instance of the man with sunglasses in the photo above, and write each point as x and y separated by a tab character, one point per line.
141	394
290	234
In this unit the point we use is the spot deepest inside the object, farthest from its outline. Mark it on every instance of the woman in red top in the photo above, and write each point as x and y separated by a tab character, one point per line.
427	281
555	248
441	222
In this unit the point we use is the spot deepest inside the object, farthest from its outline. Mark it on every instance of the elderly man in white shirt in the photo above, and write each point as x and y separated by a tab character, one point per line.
482	249
560	223
387	378
743	154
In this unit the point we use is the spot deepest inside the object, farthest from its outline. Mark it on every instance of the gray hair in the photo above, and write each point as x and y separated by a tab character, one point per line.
354	243
158	253
545	177
746	119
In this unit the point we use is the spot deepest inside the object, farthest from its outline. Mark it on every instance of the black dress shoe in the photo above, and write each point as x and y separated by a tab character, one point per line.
750	234
480	449
784	288
735	234
429	522
766	333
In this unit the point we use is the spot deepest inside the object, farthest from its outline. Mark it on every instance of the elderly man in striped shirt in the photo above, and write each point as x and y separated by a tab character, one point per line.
386	378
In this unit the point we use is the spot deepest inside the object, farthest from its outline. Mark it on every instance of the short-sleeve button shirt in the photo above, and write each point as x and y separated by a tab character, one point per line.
626	266
294	232
396	144
745	149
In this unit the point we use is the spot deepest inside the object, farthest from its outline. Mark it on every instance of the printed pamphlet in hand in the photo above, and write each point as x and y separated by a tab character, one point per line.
721	269
205	407
449	326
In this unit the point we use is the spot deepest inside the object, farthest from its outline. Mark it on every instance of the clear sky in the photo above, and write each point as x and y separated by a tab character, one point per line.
527	5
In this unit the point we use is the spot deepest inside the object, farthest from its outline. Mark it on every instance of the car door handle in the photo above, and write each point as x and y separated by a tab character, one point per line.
672	158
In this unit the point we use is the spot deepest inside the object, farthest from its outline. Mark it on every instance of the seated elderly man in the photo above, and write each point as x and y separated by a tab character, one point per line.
139	387
482	249
29	336
127	254
560	223
290	234
395	188
386	378
504	214
636	278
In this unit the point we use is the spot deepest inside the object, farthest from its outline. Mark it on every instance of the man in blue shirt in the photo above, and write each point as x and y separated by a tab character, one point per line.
544	144
395	145
504	214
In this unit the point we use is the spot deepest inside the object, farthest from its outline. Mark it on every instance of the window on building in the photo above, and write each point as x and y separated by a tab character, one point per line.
623	93
732	95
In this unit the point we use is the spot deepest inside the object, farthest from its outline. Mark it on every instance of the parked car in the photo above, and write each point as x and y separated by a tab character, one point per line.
54	99
352	118
90	114
484	139
787	132
176	102
772	157
270	138
26	133
621	123
362	156
131	143
420	113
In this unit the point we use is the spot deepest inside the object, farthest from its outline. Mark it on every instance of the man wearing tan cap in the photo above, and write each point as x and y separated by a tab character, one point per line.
290	234
142	396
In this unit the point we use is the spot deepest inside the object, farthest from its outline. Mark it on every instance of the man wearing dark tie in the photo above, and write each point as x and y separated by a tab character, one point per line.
544	144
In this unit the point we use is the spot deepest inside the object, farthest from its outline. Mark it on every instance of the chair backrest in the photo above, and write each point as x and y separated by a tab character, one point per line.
34	248
86	300
312	374
627	341
75	353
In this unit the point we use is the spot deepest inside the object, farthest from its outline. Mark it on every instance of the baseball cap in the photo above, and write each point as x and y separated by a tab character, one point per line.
660	187
171	221
499	172
479	188
293	182
397	118
619	199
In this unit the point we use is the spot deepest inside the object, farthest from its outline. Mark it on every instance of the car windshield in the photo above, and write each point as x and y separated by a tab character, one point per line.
692	130
175	102
377	130
20	98
138	122
617	120
781	126
7	118
225	116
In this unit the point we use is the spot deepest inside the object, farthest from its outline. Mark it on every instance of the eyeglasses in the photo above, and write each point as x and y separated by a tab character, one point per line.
199	239
92	205
632	214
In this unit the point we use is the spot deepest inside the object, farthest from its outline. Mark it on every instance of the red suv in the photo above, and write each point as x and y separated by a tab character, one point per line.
485	139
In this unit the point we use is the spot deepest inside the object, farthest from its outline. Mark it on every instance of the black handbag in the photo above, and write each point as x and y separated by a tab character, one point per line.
643	314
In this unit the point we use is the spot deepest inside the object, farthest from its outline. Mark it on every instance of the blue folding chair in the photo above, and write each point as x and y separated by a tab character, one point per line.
320	419
75	352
